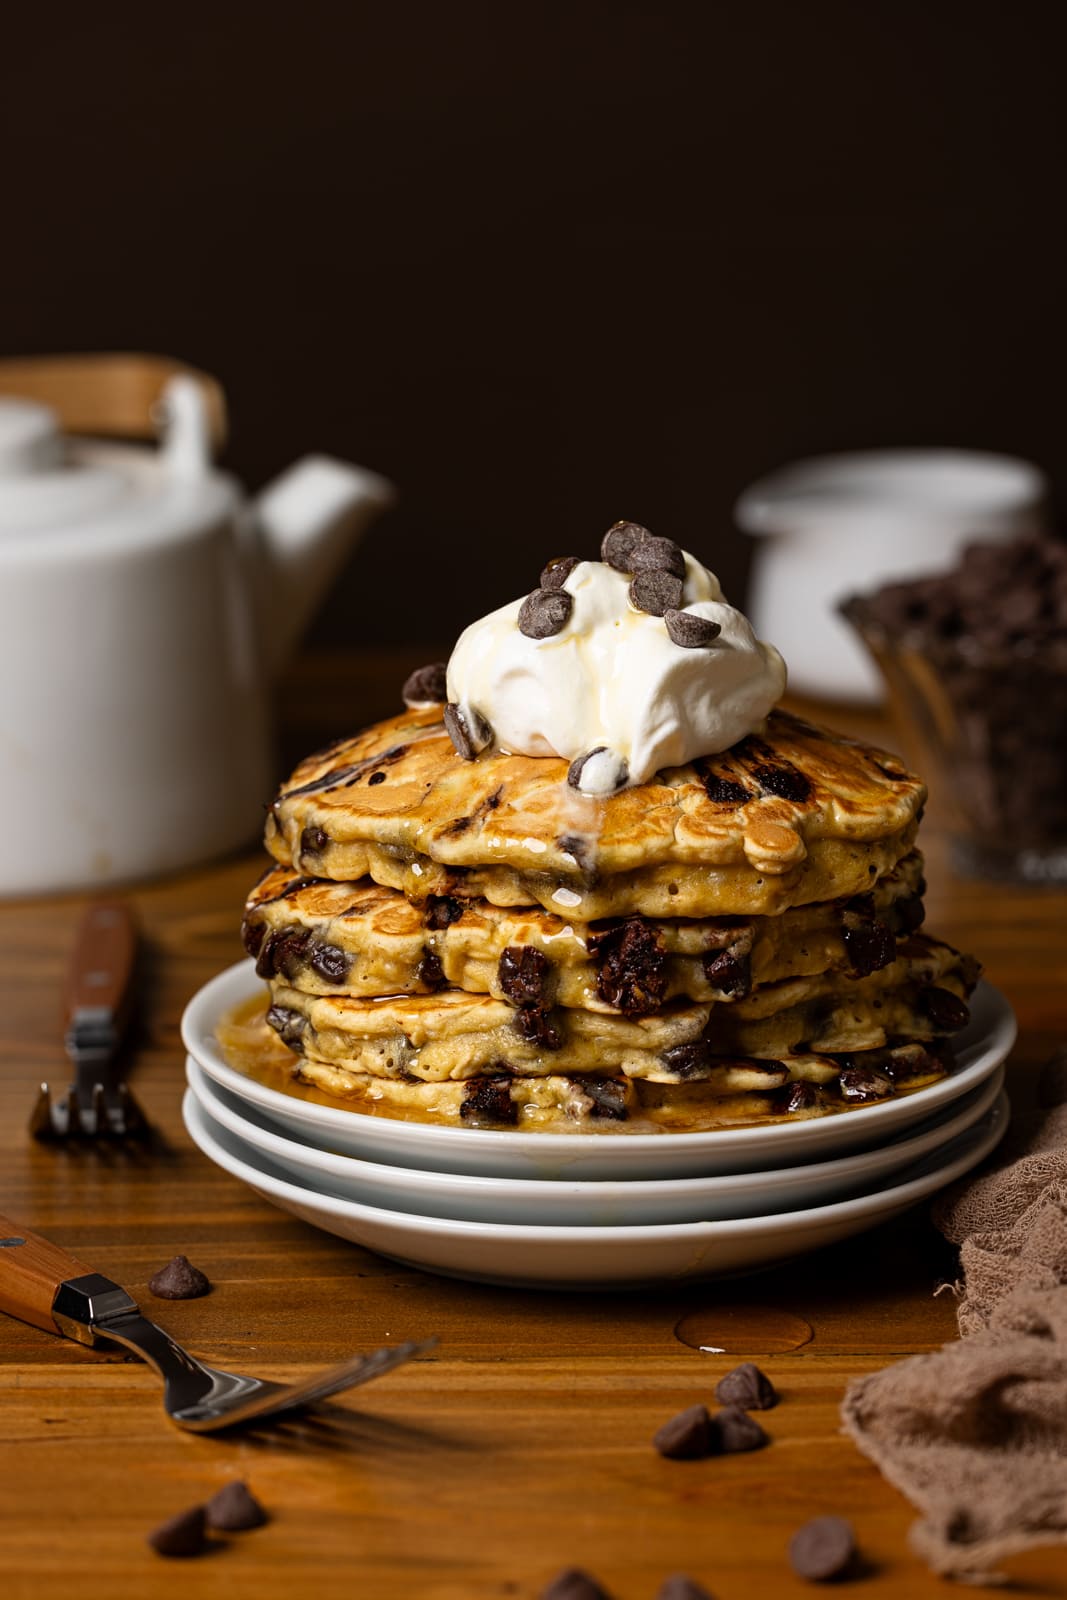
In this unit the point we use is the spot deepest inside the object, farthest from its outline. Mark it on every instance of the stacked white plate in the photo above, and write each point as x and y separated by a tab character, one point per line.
592	1210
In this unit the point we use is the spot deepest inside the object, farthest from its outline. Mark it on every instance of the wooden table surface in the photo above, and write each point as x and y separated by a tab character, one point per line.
522	1445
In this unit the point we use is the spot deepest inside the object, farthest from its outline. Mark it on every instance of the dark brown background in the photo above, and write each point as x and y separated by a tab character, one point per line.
549	265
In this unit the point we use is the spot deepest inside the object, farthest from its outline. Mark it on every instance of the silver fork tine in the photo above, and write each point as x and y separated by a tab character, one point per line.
99	1110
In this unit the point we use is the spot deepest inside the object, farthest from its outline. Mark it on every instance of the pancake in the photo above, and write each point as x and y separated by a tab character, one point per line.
363	940
778	1091
454	1035
792	816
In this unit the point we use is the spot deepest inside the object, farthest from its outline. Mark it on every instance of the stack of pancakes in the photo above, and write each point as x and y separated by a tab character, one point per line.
475	942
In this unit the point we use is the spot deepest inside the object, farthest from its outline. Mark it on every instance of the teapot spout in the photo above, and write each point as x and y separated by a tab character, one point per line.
307	521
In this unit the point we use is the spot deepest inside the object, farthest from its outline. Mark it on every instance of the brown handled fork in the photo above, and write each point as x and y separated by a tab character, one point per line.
97	1004
43	1285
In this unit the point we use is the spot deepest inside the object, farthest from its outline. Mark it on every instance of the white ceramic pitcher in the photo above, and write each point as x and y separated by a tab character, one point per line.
147	605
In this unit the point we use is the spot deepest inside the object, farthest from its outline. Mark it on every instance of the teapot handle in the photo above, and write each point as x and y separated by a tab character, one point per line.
108	394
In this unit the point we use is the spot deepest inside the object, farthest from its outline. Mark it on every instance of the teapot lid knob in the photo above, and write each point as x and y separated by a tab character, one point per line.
30	438
186	428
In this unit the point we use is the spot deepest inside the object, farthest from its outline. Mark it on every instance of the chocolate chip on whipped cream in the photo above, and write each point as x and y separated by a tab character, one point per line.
468	730
658	555
598	772
689	631
656	592
620	542
545	612
557	571
426	686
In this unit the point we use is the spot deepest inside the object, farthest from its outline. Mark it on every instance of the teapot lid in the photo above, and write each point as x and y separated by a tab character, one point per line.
51	483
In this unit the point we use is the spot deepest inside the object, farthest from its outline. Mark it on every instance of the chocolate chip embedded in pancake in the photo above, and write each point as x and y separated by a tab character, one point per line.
453	1034
793	816
360	939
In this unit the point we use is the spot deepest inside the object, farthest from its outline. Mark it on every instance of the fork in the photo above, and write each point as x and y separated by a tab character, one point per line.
44	1286
98	1002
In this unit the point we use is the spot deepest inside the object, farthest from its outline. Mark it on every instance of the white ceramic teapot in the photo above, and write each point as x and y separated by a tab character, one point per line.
146	606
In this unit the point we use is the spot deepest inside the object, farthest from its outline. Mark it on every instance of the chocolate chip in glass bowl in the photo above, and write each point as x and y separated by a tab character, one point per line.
658	555
426	686
656	592
558	570
619	543
468	731
545	612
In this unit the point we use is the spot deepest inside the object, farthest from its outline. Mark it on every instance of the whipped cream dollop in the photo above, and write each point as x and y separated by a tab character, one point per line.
612	689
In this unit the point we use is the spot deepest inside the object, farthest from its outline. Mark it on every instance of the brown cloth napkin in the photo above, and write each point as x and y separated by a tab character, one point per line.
975	1434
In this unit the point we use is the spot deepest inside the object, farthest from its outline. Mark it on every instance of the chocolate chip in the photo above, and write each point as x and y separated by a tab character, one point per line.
253	935
656	592
329	961
522	973
430	972
859	1084
487	1101
658	555
609	1097
729	972
869	946
733	1430
688	1060
783	781
234	1509
375	777
288	1024
724	791
620	542
686	1437
558	571
545	612
574	1584
632	974
181	1535
690	631
946	1011
179	1280
313	841
746	1386
796	1097
679	1586
442	910
468	731
618	775
534	1024
823	1549
426	686
908	914
282	953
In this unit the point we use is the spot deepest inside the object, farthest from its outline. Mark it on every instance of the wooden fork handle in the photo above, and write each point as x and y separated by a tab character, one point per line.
31	1272
100	976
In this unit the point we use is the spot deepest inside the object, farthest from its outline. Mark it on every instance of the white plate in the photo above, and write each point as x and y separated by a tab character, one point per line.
584	1258
980	1049
591	1203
